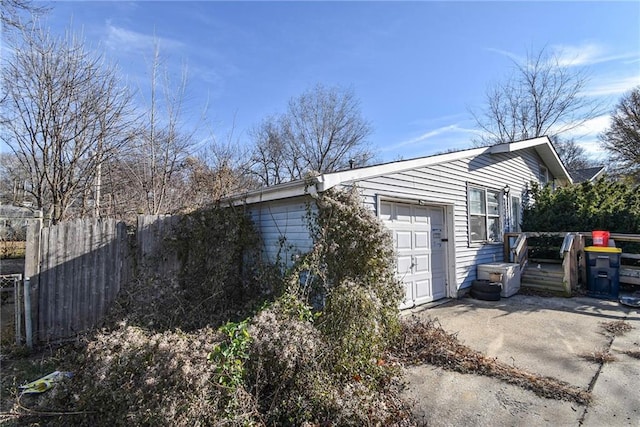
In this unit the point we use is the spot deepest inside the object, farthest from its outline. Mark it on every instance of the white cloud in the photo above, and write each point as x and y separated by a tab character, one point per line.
572	56
121	39
606	87
439	140
577	55
589	54
515	58
589	129
427	135
593	147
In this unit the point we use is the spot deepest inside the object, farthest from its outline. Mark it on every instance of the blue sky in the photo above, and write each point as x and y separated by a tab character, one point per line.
417	67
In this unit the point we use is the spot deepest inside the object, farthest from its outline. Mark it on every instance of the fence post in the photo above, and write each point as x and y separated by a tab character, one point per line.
31	274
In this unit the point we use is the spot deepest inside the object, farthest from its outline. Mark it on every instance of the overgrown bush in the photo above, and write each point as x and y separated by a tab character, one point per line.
215	281
291	363
318	353
291	373
284	369
132	376
352	267
603	205
213	246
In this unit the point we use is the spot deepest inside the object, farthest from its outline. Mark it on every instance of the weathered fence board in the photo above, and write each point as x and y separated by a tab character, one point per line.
80	274
79	267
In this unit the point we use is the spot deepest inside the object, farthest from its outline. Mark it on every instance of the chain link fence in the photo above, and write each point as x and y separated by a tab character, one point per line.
11	309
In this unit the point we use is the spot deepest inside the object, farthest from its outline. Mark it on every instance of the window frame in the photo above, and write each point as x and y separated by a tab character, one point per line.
515	204
543	175
487	215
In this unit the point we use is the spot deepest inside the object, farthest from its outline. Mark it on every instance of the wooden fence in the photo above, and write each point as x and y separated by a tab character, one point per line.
75	269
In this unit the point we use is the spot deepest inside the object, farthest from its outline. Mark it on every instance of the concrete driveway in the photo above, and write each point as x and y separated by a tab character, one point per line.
546	336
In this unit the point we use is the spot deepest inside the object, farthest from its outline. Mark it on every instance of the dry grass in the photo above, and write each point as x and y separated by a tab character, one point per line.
11	249
616	327
127	376
599	356
427	342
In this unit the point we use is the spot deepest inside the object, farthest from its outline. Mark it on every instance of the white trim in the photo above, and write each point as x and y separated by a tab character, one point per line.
451	259
597	175
330	180
501	210
409	200
451	285
326	181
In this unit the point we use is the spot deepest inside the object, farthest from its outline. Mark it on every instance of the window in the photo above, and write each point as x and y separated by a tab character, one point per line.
543	175
484	215
516	209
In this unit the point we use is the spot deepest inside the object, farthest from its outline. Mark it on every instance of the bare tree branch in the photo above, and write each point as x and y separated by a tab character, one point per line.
542	97
65	113
322	131
622	138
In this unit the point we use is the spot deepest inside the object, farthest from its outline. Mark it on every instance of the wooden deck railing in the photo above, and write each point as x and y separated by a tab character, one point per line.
628	275
572	253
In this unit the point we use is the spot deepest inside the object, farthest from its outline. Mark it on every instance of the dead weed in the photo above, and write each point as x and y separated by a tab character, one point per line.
633	353
428	342
599	356
616	327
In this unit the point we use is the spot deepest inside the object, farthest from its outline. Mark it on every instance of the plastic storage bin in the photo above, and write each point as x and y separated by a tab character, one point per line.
510	276
600	238
603	271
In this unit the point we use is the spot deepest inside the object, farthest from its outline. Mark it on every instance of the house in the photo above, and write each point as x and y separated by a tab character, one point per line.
586	174
447	212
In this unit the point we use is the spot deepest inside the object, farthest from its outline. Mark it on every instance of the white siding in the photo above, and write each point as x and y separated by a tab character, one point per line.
447	184
282	226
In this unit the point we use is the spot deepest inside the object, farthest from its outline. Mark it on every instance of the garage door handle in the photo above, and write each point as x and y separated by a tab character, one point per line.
444	240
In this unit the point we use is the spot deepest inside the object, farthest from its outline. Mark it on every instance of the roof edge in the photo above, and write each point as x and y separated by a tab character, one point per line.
326	181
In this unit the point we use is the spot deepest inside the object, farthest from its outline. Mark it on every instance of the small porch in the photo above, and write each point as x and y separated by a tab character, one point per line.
561	268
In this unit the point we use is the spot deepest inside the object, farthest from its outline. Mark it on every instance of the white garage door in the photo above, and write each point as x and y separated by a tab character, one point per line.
418	234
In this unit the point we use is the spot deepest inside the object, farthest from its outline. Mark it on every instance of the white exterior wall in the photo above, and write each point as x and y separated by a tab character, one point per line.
446	184
282	226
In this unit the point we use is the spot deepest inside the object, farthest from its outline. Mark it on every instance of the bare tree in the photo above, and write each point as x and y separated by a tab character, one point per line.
572	155
217	172
11	10
322	131
273	162
622	138
65	114
153	166
13	181
541	97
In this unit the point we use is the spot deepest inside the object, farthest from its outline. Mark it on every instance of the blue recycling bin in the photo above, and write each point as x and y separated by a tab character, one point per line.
603	271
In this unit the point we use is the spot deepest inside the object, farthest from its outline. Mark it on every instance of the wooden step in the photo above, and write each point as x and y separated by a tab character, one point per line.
547	277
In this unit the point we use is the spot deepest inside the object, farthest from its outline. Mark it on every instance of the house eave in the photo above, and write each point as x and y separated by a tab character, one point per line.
324	182
282	191
543	147
330	180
